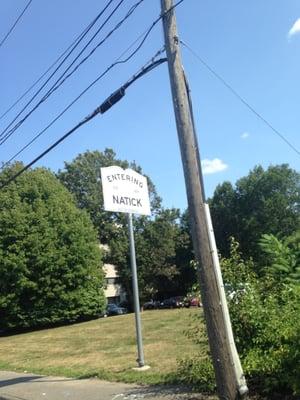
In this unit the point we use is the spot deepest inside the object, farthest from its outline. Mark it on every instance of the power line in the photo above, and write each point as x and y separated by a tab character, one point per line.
83	33
5	134
62	79
14	25
73	102
9	133
117	26
142	36
106	105
238	96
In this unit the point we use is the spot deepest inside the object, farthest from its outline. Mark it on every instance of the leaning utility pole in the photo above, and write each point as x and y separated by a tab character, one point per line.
217	334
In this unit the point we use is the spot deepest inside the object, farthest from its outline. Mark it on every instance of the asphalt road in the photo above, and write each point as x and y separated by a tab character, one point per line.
23	386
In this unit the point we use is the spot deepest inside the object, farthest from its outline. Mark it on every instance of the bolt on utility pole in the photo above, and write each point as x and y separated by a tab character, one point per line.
227	384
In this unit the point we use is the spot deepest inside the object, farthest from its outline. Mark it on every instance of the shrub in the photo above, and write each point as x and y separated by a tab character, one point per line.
265	320
50	262
197	372
264	313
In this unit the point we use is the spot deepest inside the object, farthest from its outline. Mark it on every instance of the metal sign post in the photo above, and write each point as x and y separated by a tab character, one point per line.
136	300
127	191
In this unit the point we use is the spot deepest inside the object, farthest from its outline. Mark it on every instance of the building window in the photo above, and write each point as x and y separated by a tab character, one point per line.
115	299
113	281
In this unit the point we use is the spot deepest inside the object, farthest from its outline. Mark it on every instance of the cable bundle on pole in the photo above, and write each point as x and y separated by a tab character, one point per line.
142	38
106	105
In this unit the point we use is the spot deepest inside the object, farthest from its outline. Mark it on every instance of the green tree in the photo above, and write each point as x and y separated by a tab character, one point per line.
263	202
82	178
281	258
157	240
161	244
264	312
224	216
185	256
156	255
50	261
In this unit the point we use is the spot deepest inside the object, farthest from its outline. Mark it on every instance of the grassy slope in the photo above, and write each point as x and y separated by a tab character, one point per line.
105	348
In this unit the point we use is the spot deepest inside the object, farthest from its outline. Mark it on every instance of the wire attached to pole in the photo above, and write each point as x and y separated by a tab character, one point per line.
106	105
239	97
118	94
141	37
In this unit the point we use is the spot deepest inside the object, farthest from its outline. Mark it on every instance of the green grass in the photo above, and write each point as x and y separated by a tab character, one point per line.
105	348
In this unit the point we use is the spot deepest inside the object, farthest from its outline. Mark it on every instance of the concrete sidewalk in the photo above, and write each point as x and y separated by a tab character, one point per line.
17	386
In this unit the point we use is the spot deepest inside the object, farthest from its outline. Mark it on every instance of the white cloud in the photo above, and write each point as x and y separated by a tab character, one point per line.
213	166
295	28
245	135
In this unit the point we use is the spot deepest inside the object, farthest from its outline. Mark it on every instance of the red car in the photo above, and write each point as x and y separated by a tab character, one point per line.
192	302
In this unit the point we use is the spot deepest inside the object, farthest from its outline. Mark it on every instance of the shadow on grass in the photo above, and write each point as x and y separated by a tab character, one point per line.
20	330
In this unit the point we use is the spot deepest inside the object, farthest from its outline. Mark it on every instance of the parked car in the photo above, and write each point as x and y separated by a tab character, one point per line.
192	301
151	305
172	302
114	309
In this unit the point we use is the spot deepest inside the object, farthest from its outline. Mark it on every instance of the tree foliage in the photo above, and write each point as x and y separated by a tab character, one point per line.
264	312
281	258
263	202
156	251
82	177
185	258
265	319
50	262
161	271
160	241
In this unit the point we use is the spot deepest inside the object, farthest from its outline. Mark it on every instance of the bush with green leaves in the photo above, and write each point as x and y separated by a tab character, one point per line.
50	262
264	312
265	319
281	258
197	371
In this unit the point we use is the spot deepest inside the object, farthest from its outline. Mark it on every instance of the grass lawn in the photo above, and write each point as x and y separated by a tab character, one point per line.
104	348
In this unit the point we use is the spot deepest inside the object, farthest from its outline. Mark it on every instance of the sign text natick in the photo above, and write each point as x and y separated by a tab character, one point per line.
125	191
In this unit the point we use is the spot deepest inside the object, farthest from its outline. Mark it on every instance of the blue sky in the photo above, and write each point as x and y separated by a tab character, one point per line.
254	45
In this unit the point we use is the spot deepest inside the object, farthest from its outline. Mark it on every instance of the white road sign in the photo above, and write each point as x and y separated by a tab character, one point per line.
125	191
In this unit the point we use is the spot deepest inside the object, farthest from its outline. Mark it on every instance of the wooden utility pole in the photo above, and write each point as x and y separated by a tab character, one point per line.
219	345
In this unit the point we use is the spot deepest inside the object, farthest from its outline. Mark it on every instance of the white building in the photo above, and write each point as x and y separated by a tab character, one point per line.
114	291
